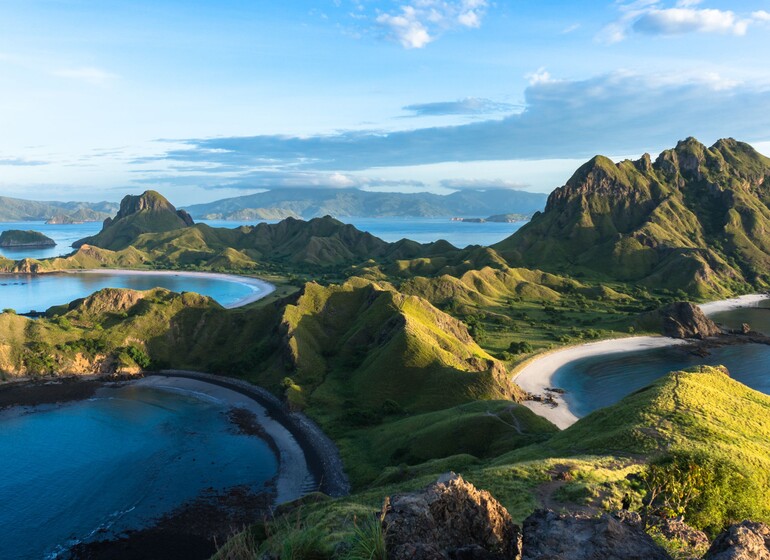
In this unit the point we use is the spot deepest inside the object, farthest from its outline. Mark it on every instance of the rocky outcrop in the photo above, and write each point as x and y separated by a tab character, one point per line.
680	320
450	519
679	531
564	536
748	540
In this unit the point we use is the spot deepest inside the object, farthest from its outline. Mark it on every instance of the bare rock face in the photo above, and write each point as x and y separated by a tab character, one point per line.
682	320
449	520
555	536
747	540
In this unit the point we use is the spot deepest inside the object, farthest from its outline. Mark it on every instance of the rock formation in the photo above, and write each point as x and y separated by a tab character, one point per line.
450	519
680	320
748	540
551	535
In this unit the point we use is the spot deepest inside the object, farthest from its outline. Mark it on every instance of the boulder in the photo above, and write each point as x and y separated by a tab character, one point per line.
564	536
748	540
451	520
680	320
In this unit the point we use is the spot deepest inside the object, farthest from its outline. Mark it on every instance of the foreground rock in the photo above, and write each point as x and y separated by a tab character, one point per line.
450	519
18	239
680	320
748	540
556	536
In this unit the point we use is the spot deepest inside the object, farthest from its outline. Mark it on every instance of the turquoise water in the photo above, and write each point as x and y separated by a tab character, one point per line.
599	381
115	462
423	230
26	293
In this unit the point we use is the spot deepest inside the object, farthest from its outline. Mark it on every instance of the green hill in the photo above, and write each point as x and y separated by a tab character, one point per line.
17	238
149	212
695	219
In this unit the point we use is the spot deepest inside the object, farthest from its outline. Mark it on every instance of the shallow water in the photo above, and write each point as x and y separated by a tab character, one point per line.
25	293
113	463
599	381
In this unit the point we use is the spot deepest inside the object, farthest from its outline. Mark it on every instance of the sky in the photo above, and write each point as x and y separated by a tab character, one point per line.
204	100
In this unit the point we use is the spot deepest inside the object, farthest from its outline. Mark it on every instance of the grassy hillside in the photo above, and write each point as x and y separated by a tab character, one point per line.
695	433
695	219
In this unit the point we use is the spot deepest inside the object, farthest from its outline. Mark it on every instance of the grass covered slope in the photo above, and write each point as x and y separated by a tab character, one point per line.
695	219
149	212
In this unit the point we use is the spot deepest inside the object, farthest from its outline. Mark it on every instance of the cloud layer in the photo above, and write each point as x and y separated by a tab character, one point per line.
613	113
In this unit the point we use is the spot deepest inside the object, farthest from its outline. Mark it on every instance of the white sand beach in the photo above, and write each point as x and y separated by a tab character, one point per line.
750	300
535	375
260	288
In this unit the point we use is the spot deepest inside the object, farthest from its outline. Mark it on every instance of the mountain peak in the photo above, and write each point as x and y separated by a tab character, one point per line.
149	212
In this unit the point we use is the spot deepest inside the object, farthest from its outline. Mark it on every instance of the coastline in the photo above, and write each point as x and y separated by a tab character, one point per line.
536	375
319	451
260	288
750	300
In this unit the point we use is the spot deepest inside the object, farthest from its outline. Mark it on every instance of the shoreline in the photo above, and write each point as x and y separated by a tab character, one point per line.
536	375
260	288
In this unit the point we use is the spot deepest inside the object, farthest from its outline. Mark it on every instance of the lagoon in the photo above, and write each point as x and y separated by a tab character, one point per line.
91	469
38	292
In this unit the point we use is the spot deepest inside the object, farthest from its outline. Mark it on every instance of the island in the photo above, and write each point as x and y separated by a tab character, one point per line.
497	218
20	239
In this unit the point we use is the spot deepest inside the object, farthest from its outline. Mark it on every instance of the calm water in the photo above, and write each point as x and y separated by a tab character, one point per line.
600	381
114	463
423	230
26	293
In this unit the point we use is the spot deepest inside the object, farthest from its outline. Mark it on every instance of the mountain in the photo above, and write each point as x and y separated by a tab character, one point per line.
149	212
154	230
696	219
311	203
18	210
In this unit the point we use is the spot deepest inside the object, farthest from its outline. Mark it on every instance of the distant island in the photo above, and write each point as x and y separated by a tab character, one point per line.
19	210
18	239
310	203
497	218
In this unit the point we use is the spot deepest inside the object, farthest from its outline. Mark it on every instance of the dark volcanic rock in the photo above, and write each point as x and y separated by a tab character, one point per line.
450	520
681	320
554	536
748	540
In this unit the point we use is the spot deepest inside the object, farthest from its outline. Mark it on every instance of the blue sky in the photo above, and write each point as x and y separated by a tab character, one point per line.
204	100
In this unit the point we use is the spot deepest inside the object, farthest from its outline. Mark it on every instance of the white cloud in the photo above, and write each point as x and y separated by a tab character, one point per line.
88	74
406	28
419	22
652	17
